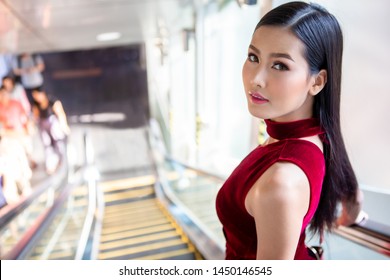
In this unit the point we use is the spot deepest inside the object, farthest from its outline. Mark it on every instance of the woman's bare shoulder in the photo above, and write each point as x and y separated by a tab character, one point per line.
283	184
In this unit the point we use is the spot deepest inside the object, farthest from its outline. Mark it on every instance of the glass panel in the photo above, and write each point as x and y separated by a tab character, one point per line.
12	233
60	240
197	192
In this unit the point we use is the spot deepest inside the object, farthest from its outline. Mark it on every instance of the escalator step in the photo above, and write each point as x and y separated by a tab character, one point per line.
132	226
136	227
143	250
137	233
154	237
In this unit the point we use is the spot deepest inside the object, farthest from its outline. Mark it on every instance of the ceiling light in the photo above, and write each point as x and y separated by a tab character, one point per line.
109	36
242	3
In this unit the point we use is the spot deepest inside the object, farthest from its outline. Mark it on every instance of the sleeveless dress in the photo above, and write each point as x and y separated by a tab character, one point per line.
238	225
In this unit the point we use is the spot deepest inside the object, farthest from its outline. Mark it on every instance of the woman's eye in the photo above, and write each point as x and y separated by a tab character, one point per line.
280	66
252	58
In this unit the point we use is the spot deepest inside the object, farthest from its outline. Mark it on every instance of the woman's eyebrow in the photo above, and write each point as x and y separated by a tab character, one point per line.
284	55
256	50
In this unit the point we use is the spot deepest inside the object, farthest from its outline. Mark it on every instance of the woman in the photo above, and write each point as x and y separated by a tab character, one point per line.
297	178
18	93
53	127
13	131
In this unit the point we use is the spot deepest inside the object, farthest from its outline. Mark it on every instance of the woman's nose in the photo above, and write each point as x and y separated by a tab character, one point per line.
259	77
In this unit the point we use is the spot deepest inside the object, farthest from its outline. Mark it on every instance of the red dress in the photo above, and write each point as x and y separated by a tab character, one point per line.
238	225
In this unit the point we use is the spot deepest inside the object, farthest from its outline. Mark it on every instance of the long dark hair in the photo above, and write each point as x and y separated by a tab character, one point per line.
322	36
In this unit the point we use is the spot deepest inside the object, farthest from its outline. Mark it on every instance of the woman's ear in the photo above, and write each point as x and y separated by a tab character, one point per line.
320	80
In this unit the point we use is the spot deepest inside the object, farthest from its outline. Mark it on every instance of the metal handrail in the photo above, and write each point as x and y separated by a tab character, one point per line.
94	204
200	236
55	237
371	235
196	169
374	228
32	235
98	226
41	223
7	214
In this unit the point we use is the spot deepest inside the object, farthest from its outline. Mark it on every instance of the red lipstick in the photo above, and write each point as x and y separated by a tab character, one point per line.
257	98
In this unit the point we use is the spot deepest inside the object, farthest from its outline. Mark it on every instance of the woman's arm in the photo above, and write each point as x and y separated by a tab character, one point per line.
278	202
60	113
19	71
38	68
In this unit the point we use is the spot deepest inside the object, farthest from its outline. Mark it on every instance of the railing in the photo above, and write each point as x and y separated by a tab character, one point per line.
201	236
34	232
39	225
16	220
370	234
8	213
87	245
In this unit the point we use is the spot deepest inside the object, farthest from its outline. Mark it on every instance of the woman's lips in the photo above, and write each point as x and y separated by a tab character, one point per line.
257	98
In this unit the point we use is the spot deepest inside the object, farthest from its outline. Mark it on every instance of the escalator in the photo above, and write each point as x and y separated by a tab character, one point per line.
117	216
136	225
19	221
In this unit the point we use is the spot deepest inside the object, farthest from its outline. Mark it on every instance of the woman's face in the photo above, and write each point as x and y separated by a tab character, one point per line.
276	76
8	84
38	96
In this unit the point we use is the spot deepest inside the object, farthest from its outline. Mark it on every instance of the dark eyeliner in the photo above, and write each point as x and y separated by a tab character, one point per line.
255	59
282	66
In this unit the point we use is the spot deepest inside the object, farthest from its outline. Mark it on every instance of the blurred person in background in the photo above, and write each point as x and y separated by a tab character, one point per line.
29	67
13	130
10	193
18	93
3	200
53	128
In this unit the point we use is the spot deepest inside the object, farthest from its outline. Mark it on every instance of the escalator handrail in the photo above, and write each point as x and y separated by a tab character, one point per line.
371	234
195	228
7	214
32	235
92	222
374	228
169	199
98	223
196	169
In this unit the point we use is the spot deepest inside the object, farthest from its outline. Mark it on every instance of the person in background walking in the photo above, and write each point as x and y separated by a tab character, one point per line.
18	93
29	67
53	127
14	127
